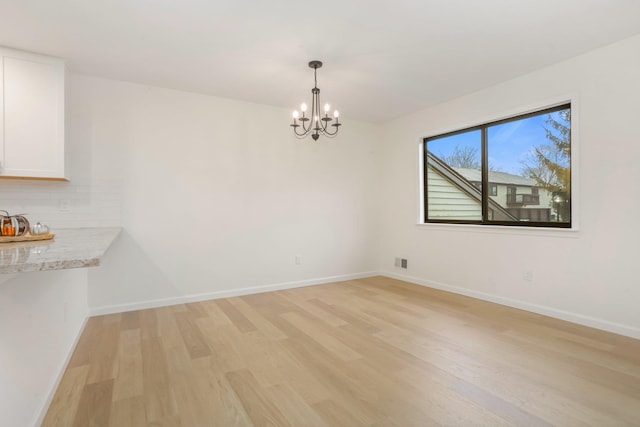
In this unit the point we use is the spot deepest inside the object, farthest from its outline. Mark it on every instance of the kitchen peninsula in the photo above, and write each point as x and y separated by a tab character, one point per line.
71	248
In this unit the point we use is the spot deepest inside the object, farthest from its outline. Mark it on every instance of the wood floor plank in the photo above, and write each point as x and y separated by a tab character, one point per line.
148	324
158	396
348	318
327	371
261	323
304	304
130	320
336	415
84	351
112	318
227	345
168	330
296	409
94	407
270	304
214	313
498	406
365	352
314	330
104	354
128	375
64	406
128	412
190	402
192	336
237	318
255	400
217	394
197	309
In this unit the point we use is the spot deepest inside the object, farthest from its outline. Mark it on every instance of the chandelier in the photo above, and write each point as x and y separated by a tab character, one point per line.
315	124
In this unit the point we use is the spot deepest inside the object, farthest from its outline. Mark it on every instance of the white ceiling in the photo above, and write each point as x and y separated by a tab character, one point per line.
383	58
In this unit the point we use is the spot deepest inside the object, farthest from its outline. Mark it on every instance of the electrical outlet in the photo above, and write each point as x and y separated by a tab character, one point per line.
527	275
65	205
298	260
398	262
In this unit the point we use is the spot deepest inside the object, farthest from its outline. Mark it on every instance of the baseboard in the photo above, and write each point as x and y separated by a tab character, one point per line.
61	371
163	302
580	319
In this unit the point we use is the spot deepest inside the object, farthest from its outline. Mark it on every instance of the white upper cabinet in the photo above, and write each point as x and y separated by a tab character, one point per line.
32	120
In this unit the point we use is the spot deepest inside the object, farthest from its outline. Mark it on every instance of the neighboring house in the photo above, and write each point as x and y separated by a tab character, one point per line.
454	193
520	195
452	196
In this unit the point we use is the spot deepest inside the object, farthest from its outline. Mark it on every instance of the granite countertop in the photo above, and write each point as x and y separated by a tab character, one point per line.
70	248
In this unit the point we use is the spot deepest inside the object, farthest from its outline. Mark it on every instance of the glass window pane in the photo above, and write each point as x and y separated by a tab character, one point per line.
454	177
530	164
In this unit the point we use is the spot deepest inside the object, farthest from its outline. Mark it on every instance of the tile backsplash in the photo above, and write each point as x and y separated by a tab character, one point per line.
62	204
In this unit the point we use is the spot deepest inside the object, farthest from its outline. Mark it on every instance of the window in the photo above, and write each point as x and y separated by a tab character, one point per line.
515	171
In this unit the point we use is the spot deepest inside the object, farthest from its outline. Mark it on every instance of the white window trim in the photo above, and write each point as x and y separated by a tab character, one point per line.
573	99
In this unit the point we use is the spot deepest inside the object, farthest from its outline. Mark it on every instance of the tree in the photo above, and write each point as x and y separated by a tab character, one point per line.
550	164
463	157
466	157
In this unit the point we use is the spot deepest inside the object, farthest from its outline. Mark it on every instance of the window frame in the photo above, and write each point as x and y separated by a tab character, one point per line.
485	190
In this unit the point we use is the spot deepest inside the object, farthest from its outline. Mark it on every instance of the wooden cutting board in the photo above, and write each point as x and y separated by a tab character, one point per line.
26	238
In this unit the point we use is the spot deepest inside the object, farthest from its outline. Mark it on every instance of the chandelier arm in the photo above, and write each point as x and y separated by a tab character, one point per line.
304	128
310	126
329	133
303	134
295	126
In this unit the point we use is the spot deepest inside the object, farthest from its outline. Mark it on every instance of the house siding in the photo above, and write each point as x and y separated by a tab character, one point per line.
446	201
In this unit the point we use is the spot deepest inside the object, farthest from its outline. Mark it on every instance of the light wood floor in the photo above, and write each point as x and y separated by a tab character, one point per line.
371	352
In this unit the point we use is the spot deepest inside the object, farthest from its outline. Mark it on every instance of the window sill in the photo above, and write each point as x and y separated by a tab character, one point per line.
573	233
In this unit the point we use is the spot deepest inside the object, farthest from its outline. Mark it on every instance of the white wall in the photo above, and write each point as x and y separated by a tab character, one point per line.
41	315
588	276
218	195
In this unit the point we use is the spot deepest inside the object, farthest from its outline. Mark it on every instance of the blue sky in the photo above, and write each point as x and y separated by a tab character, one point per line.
509	143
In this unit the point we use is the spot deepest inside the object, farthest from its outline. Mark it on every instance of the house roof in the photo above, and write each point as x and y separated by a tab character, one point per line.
474	175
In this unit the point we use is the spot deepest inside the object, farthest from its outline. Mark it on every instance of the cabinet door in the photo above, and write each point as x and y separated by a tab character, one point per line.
33	89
